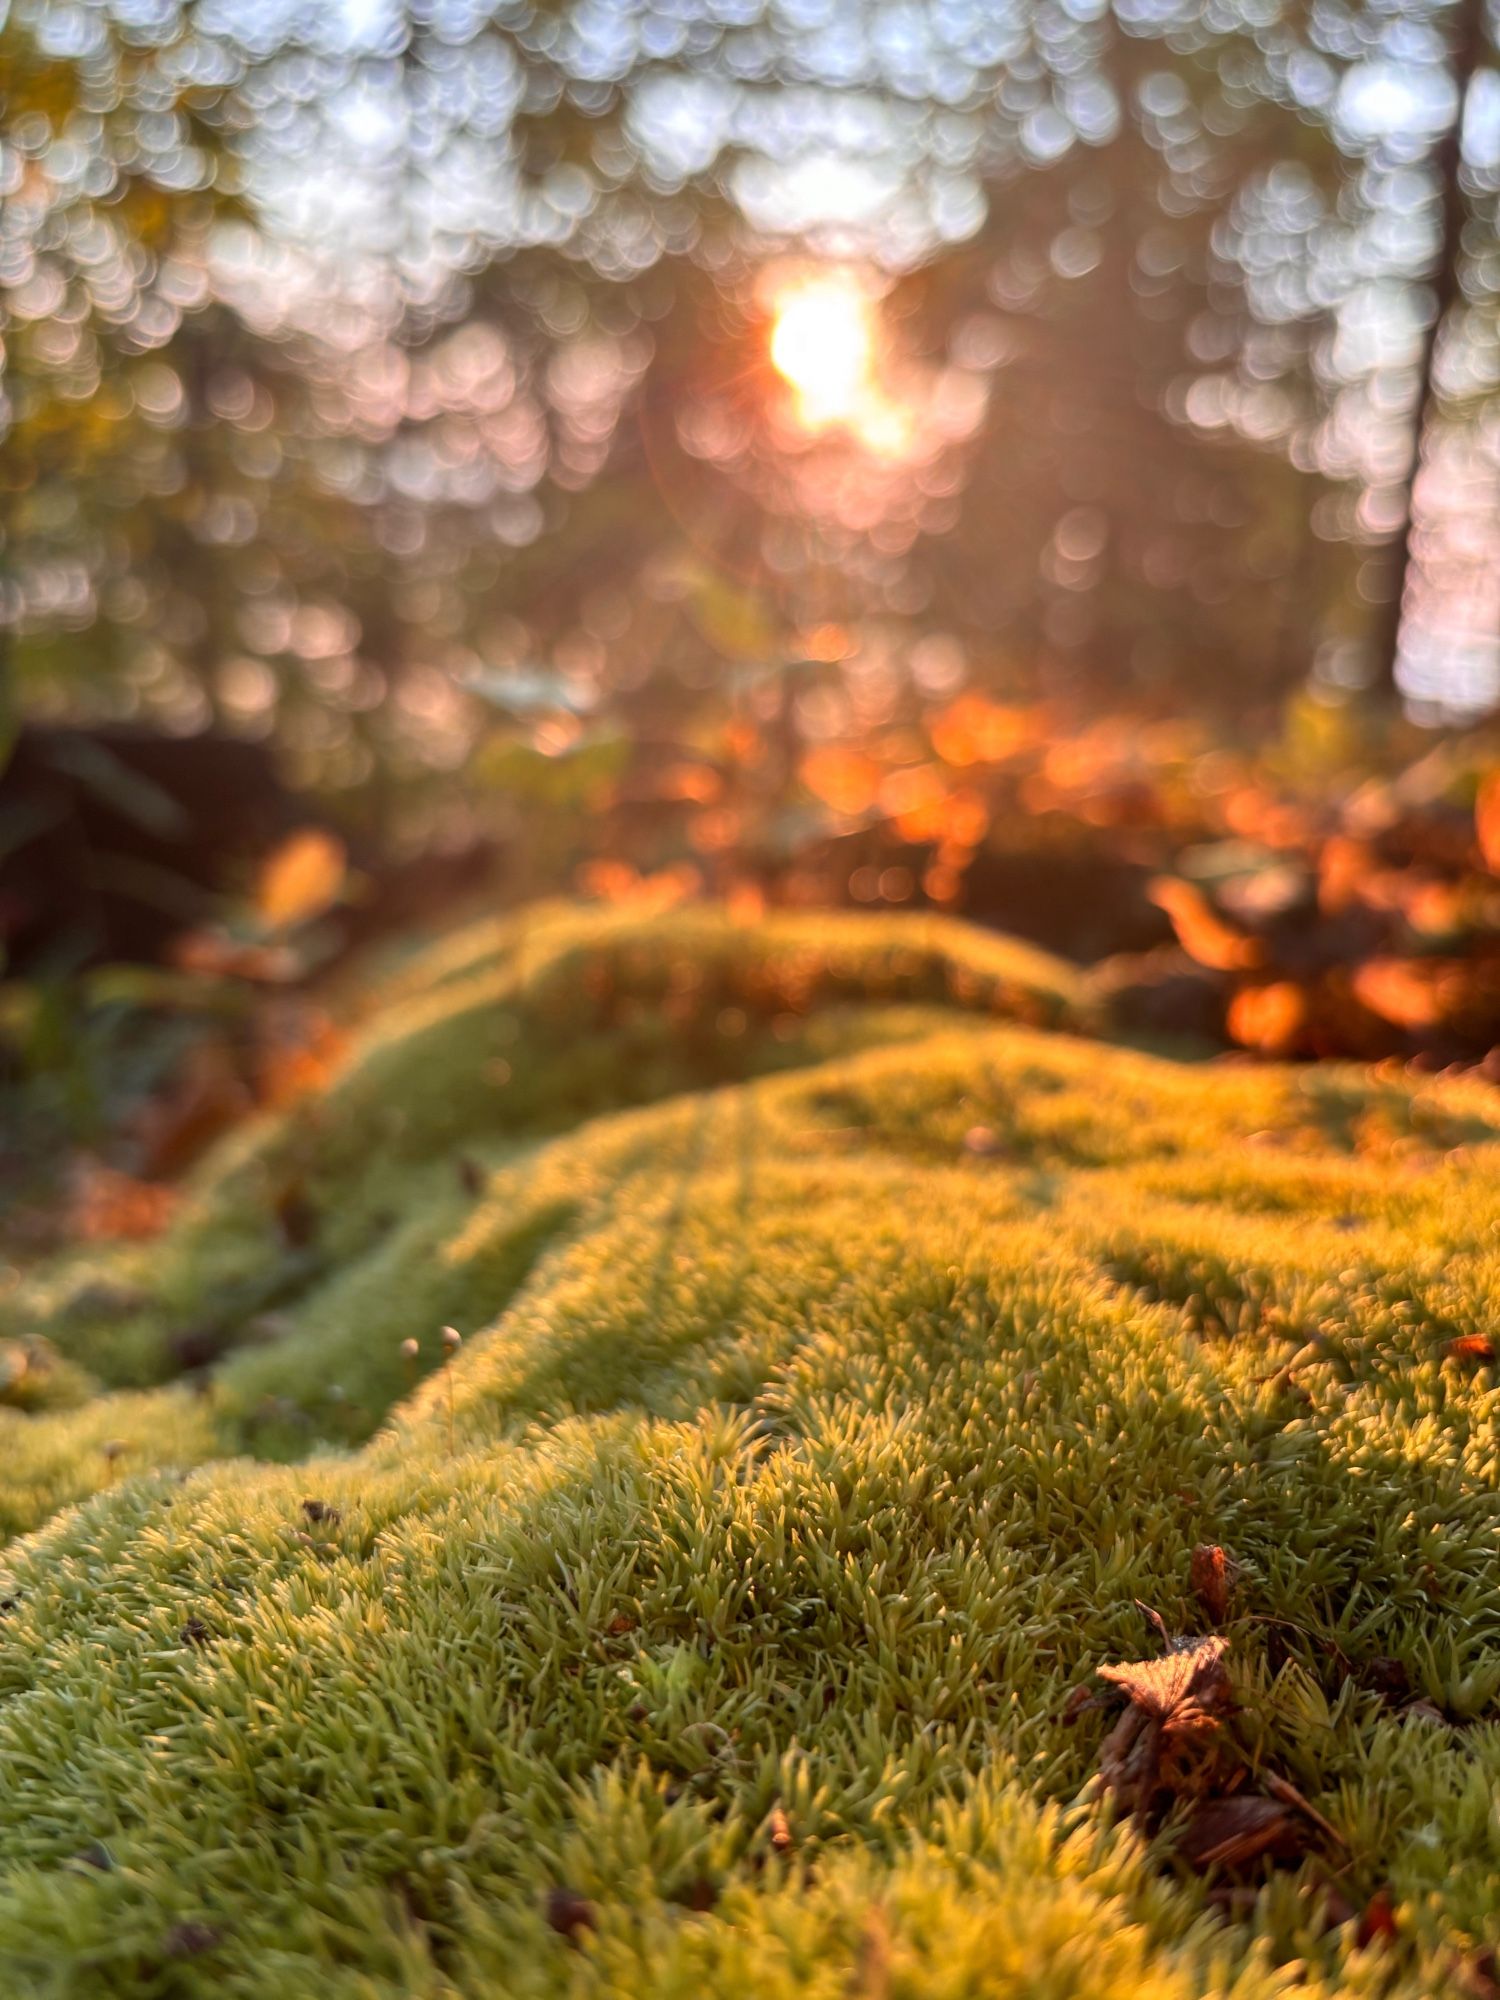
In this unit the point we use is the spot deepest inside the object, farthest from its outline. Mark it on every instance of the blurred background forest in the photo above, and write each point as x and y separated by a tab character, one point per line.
1037	459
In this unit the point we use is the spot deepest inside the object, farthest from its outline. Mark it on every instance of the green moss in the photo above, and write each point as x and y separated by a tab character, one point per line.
841	1363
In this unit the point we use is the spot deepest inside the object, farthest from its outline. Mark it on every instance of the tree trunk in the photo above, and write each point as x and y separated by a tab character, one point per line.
1445	284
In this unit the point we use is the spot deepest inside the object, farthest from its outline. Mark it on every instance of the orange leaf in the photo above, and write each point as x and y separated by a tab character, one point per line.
112	1207
842	779
1471	1347
1268	1018
1409	993
1379	1919
1201	931
301	878
1344	866
1487	820
975	731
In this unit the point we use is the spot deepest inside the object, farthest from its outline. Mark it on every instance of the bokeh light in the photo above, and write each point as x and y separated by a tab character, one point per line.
823	342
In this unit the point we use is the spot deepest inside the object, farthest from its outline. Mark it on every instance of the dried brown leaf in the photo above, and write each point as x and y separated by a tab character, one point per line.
301	878
1379	1919
570	1914
1287	1793
112	1207
1212	1574
191	1939
1080	1700
1226	1833
1388	1678
1182	1692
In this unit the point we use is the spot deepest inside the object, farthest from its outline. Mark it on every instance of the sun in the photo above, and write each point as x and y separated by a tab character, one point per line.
821	341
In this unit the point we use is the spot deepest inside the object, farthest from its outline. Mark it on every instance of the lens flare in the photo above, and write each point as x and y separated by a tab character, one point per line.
821	342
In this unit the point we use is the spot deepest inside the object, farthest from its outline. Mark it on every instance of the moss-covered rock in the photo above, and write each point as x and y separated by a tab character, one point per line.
841	1363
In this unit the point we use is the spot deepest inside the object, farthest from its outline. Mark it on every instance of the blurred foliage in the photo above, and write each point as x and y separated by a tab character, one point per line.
349	358
390	393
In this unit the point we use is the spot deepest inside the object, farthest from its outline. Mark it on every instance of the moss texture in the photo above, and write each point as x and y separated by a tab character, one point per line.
847	1347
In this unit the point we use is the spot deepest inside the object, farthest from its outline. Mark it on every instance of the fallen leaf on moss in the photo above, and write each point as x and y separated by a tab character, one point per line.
1379	1919
191	1940
1079	1702
1471	1347
1212	1574
570	1914
1388	1678
1173	1702
1288	1794
1184	1691
111	1207
1227	1833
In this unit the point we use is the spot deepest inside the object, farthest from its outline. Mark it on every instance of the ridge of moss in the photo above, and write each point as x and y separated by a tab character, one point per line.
834	1381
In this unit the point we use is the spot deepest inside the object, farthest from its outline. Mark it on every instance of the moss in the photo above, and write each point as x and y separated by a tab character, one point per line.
817	1424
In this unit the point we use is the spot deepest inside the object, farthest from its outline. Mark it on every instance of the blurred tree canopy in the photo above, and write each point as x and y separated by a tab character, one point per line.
394	380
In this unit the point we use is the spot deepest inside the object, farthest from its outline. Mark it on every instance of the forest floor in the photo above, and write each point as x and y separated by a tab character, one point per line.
925	1501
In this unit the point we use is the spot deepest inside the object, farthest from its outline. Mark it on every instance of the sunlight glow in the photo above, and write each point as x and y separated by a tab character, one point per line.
822	343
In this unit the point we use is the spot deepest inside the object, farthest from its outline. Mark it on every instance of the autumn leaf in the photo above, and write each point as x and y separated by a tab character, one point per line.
1477	1347
570	1914
844	780
1268	1018
1201	931
1081	1700
1226	1833
1344	867
1212	1574
1184	1691
1406	992
1379	1919
1173	1703
1487	820
301	878
113	1207
975	731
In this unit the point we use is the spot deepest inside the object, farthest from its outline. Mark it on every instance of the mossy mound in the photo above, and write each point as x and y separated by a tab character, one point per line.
841	1364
